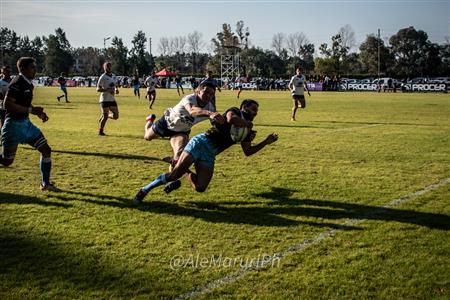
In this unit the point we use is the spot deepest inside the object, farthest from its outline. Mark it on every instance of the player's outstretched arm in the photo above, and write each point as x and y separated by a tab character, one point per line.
250	150
196	111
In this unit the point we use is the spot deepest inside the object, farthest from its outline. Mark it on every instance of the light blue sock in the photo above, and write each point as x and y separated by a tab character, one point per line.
160	180
45	166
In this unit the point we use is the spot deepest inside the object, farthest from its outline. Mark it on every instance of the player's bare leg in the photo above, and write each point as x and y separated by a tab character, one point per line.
178	143
151	99
201	179
149	134
294	110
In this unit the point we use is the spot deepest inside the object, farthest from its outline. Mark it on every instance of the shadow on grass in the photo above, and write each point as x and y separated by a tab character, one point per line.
273	210
206	211
107	155
336	210
7	198
281	204
112	201
36	266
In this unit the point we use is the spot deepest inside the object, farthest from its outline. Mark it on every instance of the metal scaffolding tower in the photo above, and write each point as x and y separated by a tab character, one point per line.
229	64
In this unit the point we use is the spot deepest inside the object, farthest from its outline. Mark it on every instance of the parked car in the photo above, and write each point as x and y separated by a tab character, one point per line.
445	80
419	80
349	80
365	81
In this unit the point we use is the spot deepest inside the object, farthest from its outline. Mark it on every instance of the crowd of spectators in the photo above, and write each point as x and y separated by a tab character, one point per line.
329	83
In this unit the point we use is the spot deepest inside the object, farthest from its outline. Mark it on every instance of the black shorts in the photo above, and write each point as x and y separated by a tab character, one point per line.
108	104
151	92
160	128
298	97
2	115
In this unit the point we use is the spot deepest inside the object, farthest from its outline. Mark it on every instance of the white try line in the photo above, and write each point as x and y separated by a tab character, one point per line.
232	277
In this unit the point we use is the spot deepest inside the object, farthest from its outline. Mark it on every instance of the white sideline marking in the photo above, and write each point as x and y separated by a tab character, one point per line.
342	129
210	286
358	127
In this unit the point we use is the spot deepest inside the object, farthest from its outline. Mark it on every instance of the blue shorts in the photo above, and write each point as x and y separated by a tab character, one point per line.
63	88
21	131
136	87
202	150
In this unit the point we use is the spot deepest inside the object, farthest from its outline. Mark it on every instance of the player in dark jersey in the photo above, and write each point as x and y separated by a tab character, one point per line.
63	86
18	128
136	86
213	82
178	84
203	148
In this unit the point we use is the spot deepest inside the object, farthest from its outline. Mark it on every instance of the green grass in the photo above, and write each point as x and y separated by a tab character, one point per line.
347	155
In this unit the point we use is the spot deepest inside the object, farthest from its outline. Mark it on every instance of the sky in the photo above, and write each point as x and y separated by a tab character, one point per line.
88	23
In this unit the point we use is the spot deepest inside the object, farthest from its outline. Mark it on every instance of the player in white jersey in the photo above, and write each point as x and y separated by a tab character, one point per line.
297	86
4	83
151	82
107	86
176	123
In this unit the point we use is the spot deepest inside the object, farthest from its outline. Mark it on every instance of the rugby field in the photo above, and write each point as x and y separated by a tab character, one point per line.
352	201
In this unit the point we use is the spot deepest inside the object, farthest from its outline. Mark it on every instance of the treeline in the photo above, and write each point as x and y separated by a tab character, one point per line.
409	53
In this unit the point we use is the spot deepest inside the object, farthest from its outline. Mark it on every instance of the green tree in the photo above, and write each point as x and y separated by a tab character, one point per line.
138	60
306	54
9	43
58	54
333	56
225	39
151	61
88	61
118	53
325	66
177	62
243	34
353	65
430	63
409	48
369	56
444	54
37	50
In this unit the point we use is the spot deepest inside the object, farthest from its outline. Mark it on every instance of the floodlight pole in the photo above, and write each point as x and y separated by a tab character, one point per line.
378	53
104	42
150	45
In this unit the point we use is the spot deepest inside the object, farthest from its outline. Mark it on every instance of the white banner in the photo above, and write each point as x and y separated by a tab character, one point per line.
425	87
245	85
419	87
359	87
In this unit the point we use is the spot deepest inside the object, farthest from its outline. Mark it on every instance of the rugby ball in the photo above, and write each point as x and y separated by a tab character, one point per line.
238	133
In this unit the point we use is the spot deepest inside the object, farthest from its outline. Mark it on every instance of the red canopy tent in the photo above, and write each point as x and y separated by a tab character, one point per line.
165	72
